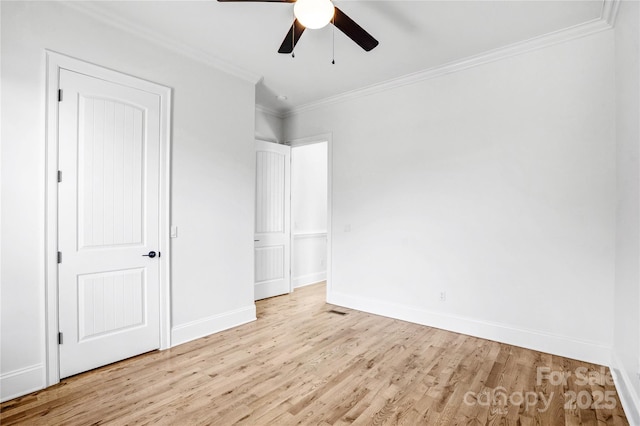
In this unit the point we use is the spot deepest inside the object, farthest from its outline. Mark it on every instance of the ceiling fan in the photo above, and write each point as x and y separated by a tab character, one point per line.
314	14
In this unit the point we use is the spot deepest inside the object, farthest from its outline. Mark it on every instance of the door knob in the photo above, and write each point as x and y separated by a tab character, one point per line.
151	254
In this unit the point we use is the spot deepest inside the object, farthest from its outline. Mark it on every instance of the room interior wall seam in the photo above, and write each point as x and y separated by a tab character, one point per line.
160	40
626	392
624	367
514	49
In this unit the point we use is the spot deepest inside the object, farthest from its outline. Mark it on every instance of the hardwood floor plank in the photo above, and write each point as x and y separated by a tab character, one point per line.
301	364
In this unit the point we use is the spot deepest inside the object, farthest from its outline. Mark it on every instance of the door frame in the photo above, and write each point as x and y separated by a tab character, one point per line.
328	138
54	63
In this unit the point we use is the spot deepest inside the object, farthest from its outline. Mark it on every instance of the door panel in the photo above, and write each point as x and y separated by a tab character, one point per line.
270	263
272	227
110	168
110	302
108	219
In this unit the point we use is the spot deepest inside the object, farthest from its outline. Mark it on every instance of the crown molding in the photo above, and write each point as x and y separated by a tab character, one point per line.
604	22
88	8
266	110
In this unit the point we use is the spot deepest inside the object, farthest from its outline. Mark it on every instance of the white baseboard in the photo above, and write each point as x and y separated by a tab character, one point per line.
626	391
196	329
592	352
30	379
308	279
21	382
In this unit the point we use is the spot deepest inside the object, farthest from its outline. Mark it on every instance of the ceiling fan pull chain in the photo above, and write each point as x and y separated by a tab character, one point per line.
333	40
293	39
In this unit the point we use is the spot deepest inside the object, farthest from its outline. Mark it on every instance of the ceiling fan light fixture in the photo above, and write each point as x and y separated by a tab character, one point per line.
313	14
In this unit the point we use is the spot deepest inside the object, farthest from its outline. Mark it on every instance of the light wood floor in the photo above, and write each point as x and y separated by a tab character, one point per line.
302	364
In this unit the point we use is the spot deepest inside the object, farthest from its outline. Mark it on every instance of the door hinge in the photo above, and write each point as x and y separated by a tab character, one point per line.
59	257
59	176
59	95
60	338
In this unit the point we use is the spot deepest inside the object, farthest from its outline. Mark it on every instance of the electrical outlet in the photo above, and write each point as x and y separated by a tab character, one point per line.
443	296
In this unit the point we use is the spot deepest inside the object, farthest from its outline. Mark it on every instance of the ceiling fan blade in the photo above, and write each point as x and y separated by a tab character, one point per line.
260	1
290	41
354	31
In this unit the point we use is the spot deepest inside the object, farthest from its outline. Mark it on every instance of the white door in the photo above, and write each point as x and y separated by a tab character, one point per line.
272	227
109	143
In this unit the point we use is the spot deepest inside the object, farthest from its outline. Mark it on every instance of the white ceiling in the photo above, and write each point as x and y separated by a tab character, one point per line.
413	36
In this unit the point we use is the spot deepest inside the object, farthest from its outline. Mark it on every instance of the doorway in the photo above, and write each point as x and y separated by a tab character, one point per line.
310	210
293	222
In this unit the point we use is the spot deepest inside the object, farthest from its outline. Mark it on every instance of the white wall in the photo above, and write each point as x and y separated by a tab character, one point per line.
309	213
212	180
496	185
268	126
626	348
